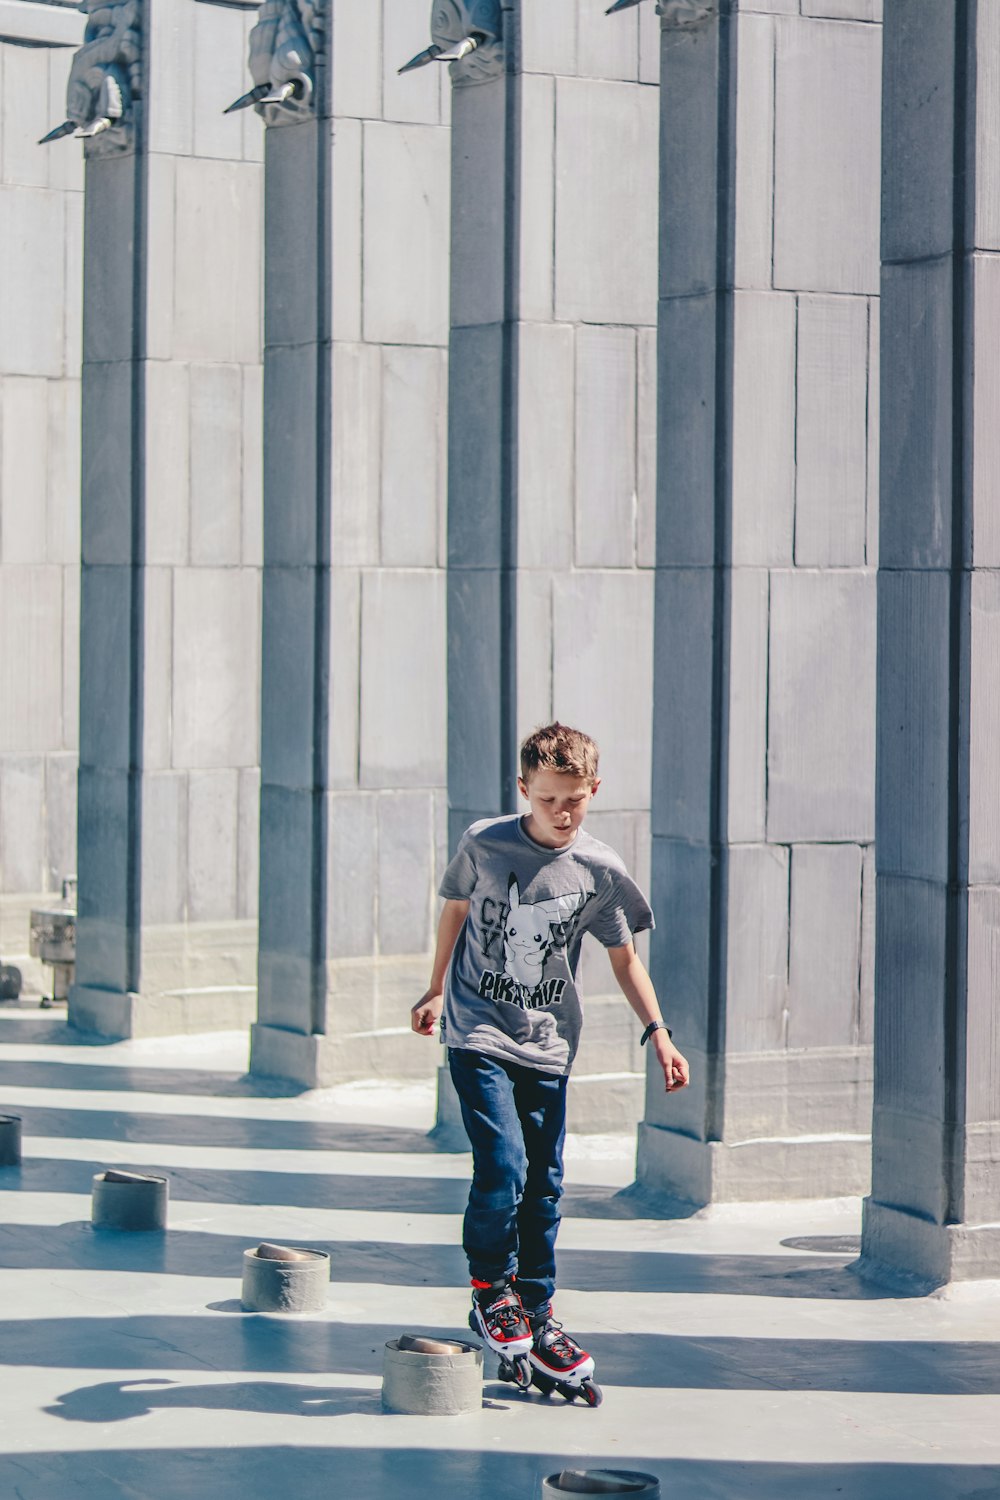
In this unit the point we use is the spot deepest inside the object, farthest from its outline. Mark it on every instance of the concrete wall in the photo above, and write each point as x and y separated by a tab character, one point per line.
41	215
764	726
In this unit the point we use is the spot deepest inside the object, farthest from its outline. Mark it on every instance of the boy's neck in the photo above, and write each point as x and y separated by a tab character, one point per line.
547	841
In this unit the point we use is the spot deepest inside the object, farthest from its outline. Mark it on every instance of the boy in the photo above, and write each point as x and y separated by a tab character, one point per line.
518	897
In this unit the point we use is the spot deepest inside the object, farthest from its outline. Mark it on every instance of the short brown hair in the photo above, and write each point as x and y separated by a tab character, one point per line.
556	747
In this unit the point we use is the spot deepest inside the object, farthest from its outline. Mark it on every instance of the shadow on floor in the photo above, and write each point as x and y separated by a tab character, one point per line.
413	1473
76	1246
221	1130
276	1345
127	1077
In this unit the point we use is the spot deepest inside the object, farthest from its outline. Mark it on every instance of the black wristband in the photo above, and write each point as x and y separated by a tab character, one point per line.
654	1026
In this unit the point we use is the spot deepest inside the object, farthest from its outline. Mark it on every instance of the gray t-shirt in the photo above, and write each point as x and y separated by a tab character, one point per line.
512	989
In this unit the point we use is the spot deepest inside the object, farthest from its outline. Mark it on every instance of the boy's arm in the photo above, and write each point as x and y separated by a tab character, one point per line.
428	1009
637	987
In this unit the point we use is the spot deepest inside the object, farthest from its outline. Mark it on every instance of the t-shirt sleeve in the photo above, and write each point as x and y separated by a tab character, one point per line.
459	879
620	911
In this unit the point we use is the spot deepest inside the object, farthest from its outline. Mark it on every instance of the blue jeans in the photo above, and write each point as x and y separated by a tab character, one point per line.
515	1118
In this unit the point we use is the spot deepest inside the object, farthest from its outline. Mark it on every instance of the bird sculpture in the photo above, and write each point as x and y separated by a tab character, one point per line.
283	47
464	31
105	76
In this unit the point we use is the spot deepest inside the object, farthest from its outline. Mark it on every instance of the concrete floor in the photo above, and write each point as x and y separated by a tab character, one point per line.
738	1354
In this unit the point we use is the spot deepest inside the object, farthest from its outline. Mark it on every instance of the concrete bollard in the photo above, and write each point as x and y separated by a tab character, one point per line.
10	1140
285	1279
601	1482
432	1377
129	1200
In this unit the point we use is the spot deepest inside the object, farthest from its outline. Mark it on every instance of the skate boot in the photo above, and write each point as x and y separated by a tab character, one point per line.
557	1361
498	1317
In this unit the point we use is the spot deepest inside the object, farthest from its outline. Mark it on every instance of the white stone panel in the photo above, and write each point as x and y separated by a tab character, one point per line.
827	176
405	871
22	823
172	78
216	667
987	107
164	847
605	447
212	845
534	650
756	899
844	10
649	45
356	453
754	224
346	222
32	287
747	721
546	445
538	187
607	48
602	674
160	256
60	819
983	729
645	451
606	175
824	946
252	463
821	707
248	844
157	666
402	679
357	58
351	874
216	463
217	266
24	424
406	199
168	462
219	65
985	384
549	37
831	432
71	658
73	310
24	100
31	629
874	434
63	477
763	462
414	407
414	97
345	675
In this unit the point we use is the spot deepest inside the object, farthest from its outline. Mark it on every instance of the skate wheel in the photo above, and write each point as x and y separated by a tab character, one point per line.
591	1393
505	1372
522	1372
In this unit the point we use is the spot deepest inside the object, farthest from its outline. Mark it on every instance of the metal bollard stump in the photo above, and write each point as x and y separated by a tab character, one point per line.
285	1279
10	1140
129	1200
601	1482
432	1378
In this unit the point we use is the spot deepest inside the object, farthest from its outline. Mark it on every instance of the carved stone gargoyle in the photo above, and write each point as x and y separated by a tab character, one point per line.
283	48
468	34
674	13
105	78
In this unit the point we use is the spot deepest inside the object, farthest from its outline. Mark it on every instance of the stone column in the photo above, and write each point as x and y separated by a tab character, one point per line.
763	729
353	741
551	431
170	591
935	1202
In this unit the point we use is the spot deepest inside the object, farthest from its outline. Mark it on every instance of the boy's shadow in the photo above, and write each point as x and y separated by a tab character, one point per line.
121	1400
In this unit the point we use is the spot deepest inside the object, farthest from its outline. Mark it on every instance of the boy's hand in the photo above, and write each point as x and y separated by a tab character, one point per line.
676	1073
426	1012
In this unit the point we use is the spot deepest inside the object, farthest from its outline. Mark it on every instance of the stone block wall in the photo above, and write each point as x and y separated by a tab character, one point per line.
41	217
390	326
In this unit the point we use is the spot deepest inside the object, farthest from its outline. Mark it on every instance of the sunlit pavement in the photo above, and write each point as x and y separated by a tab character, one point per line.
738	1354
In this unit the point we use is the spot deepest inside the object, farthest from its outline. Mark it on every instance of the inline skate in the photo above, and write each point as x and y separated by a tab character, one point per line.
557	1361
498	1317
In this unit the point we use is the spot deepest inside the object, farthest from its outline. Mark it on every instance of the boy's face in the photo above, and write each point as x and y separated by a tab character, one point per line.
558	803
